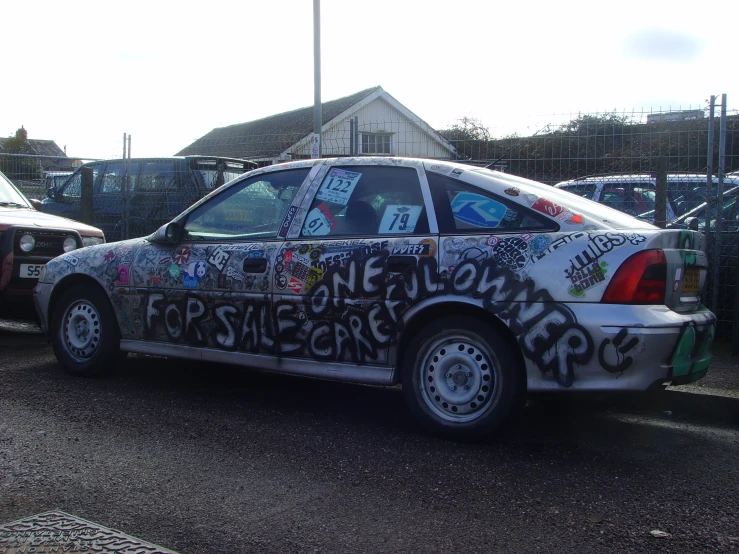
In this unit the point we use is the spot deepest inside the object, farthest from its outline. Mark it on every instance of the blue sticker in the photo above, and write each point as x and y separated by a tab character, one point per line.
289	216
477	210
193	274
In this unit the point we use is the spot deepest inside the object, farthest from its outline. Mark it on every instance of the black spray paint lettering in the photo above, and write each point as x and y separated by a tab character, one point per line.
612	354
547	331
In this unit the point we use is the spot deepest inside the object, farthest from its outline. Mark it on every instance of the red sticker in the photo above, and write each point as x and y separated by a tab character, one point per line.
547	207
327	213
181	255
295	285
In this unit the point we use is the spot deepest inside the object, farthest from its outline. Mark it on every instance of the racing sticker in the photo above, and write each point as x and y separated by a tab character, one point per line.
181	255
193	274
547	207
475	209
319	221
123	274
295	285
289	216
218	258
338	186
400	219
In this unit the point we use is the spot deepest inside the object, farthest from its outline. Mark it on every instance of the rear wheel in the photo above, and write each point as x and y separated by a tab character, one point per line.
461	379
85	336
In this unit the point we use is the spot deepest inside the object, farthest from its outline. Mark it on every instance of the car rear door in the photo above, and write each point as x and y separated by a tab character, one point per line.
364	252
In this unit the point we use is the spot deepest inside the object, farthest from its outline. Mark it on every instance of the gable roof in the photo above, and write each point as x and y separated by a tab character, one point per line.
271	136
39	147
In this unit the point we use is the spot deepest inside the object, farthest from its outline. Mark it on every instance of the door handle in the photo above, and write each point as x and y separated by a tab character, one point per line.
255	265
401	264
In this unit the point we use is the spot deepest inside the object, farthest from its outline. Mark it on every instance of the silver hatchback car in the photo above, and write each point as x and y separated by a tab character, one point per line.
469	287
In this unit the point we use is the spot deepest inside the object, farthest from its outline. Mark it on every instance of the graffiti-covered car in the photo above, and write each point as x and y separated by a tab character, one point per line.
468	286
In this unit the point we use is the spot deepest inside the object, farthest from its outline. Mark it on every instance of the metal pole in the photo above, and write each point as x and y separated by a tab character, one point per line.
124	207
712	261
316	150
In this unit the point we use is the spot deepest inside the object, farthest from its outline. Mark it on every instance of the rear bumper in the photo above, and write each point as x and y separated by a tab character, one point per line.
626	348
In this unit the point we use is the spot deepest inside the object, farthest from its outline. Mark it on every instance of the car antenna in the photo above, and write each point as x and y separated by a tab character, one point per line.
492	165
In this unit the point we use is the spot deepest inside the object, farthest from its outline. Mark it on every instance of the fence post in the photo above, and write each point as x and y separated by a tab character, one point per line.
660	205
86	195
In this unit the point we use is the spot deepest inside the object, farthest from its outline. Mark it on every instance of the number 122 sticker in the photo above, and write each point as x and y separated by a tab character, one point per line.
338	186
400	219
319	221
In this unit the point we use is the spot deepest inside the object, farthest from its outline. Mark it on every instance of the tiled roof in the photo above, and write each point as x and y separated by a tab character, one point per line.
38	147
272	135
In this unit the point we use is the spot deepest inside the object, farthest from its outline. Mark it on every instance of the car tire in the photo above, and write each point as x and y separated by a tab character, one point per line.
85	334
461	379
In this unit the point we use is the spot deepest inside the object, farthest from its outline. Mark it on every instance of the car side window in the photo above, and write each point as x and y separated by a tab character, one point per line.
157	176
73	188
254	208
586	190
367	200
462	208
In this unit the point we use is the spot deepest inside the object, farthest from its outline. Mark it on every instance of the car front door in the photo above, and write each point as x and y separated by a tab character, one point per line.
363	253
213	287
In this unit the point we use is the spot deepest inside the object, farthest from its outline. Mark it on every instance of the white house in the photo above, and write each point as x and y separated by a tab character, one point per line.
369	122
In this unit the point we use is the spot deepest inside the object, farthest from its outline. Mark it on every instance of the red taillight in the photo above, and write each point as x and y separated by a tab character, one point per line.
641	279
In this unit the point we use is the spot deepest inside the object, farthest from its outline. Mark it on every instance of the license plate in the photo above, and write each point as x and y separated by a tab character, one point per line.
690	283
30	271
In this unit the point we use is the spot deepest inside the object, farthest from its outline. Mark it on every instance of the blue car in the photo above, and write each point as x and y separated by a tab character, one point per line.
133	197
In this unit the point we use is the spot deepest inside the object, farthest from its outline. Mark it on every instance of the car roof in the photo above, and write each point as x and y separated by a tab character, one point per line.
643	178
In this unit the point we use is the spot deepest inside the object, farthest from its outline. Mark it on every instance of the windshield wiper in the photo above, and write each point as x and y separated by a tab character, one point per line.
12	205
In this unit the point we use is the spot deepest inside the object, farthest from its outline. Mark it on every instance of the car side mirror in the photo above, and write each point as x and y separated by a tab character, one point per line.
169	233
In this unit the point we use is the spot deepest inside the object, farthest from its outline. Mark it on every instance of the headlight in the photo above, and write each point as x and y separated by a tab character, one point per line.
92	241
69	244
27	243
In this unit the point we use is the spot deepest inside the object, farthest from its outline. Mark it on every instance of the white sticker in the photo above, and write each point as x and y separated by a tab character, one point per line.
319	221
400	219
338	186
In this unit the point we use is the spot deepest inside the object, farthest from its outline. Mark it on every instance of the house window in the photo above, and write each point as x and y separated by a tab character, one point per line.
376	143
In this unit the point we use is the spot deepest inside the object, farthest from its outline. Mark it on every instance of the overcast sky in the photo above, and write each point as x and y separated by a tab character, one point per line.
83	73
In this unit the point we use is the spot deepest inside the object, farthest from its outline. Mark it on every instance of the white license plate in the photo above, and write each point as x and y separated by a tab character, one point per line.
30	271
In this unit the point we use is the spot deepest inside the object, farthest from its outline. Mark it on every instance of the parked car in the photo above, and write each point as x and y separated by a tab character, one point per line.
133	197
54	179
468	286
29	239
725	277
636	194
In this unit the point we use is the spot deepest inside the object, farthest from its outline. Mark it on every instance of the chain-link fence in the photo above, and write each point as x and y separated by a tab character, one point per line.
614	158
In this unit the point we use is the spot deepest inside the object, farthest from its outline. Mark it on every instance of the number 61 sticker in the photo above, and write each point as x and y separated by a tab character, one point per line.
319	221
400	219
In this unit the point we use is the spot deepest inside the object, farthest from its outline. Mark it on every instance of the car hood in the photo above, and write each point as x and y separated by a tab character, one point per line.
30	217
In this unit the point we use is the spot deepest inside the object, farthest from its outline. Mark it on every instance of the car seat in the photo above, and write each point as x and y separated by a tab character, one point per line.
361	218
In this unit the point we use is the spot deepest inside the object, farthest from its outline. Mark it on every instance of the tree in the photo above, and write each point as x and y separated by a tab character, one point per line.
23	167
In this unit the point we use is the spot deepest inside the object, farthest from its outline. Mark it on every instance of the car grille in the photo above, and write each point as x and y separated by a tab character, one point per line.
47	243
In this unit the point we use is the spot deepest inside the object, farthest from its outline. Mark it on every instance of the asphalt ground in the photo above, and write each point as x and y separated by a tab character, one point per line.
203	458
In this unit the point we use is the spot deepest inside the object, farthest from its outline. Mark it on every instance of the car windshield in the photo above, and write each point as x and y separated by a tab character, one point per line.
9	195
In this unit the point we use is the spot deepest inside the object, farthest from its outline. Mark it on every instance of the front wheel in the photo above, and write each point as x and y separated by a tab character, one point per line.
462	380
85	336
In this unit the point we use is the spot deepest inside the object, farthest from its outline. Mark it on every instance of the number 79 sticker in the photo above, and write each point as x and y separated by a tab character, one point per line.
400	219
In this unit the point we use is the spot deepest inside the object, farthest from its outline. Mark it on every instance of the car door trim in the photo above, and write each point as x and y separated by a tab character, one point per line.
336	371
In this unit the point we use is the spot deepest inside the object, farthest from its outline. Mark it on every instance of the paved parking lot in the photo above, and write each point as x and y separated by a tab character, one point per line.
203	458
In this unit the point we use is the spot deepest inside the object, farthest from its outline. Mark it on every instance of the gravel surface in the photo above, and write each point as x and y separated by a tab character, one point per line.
209	459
